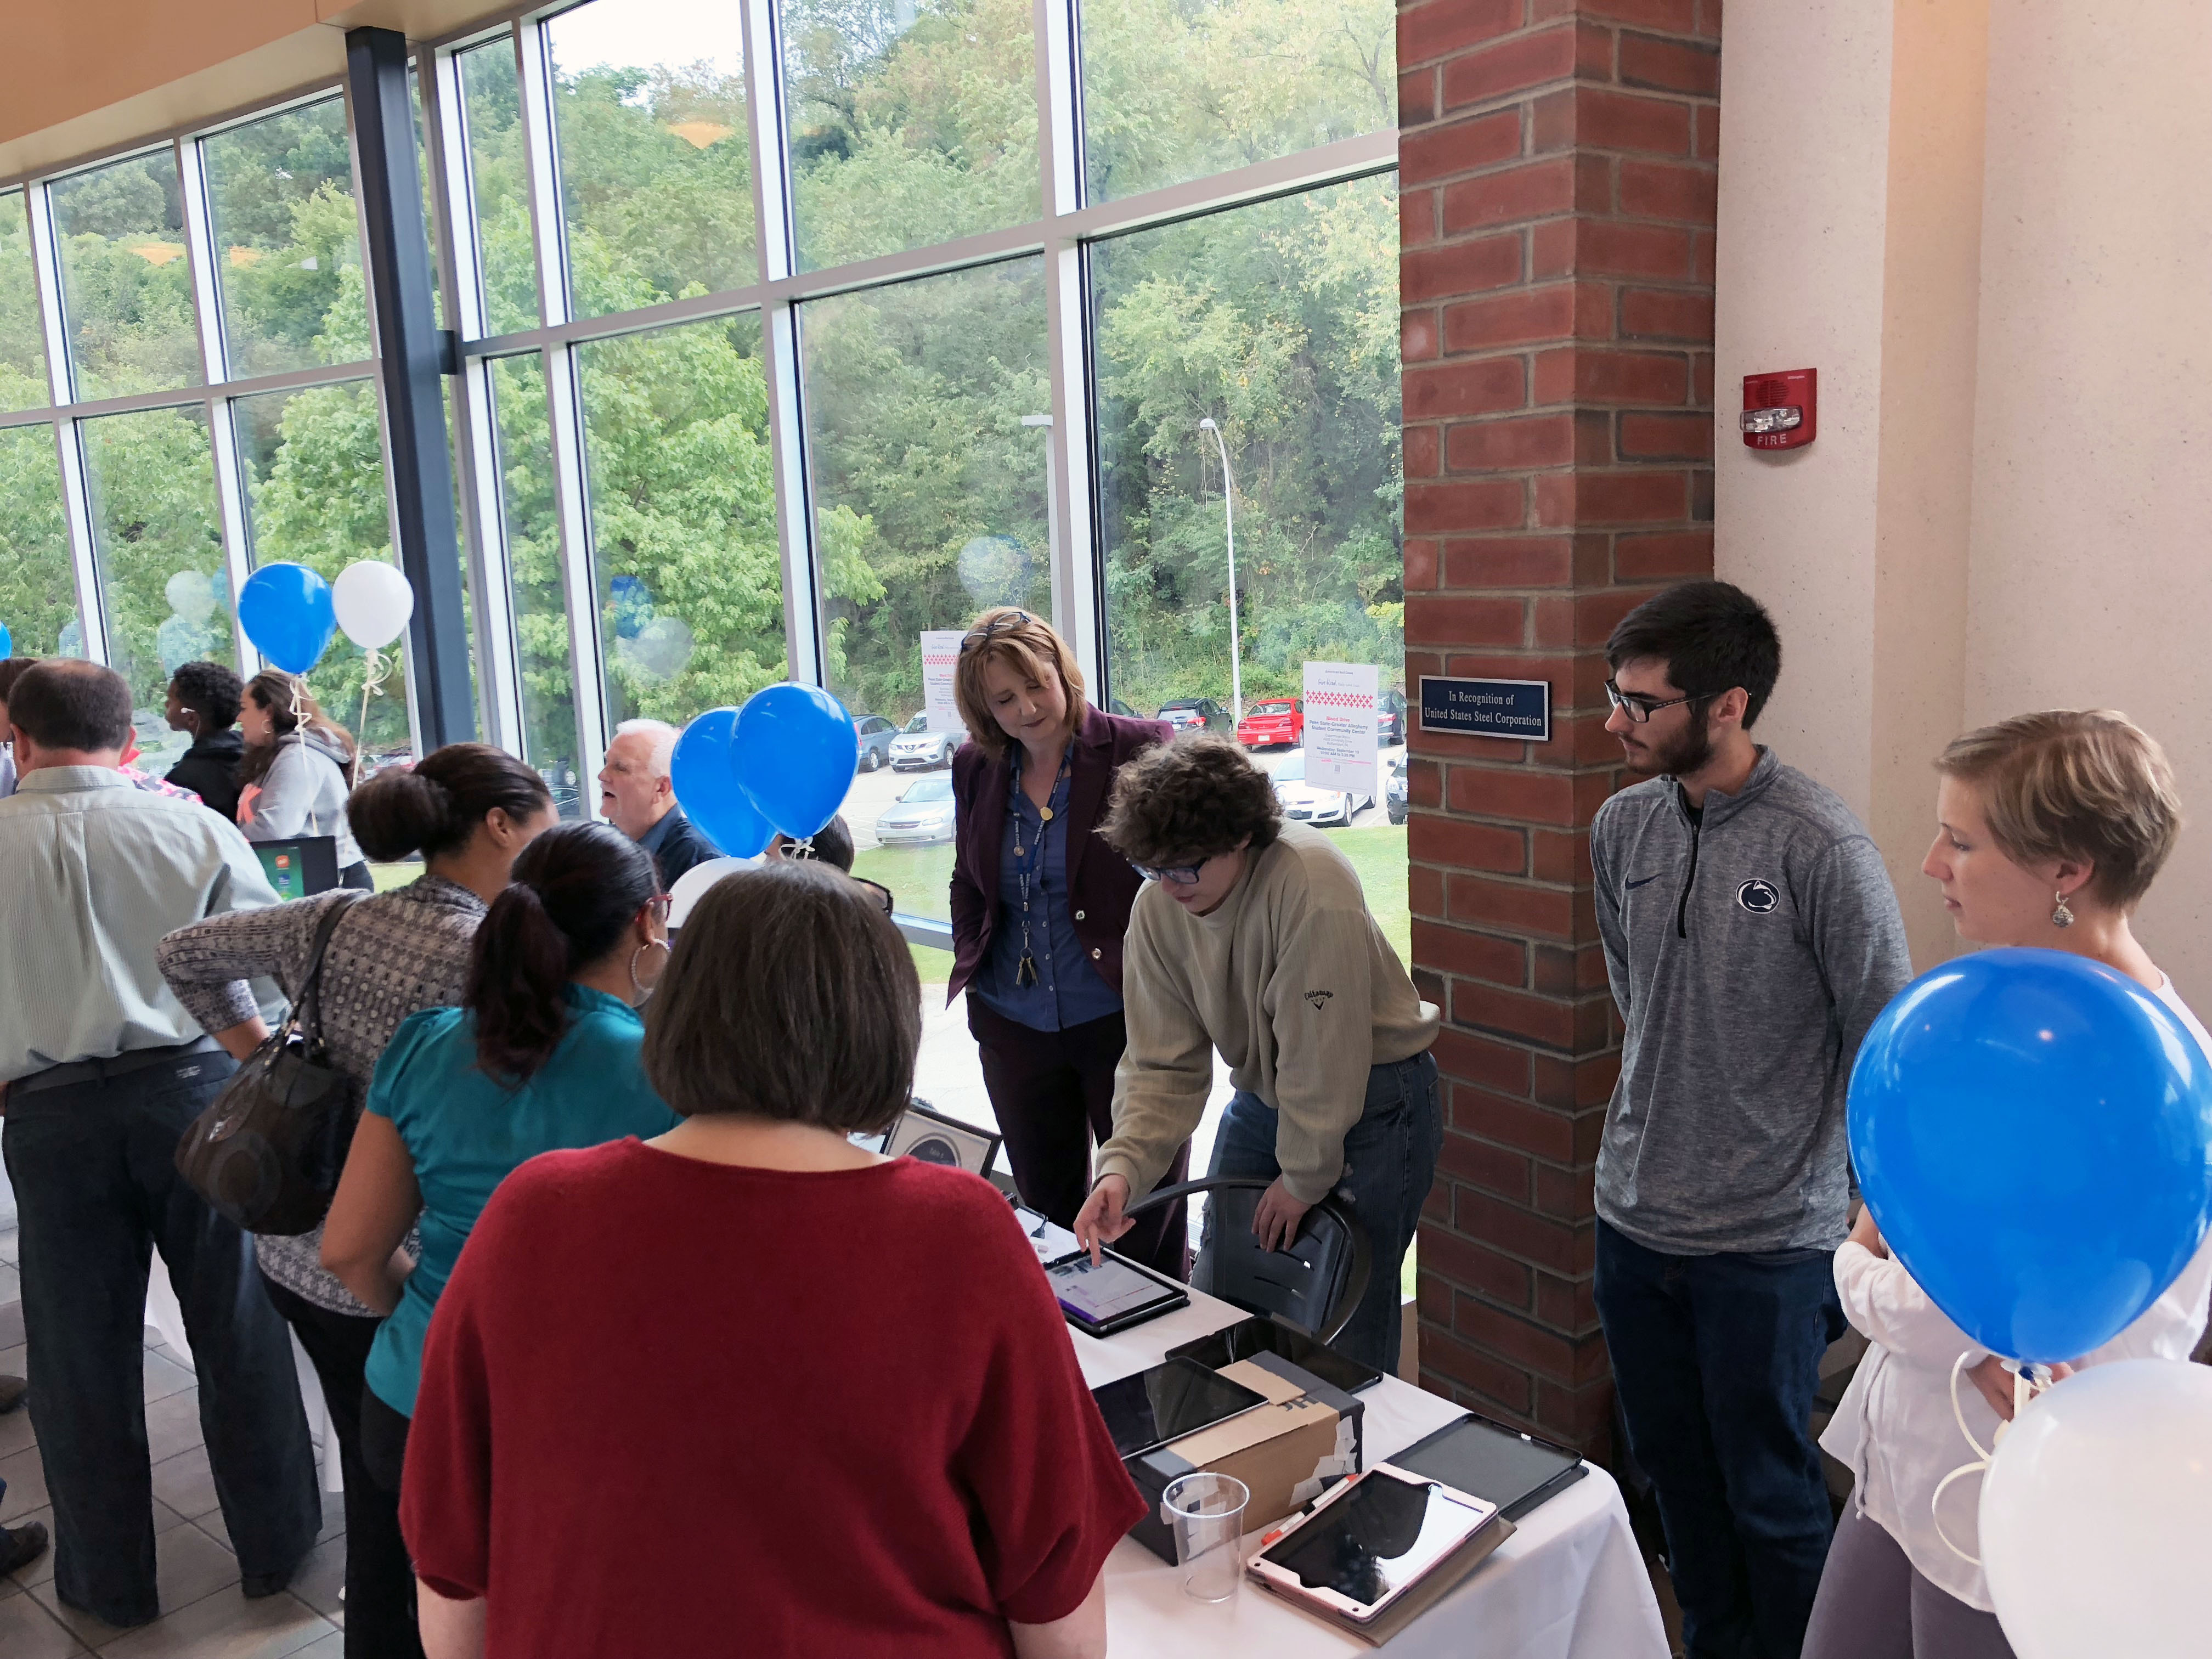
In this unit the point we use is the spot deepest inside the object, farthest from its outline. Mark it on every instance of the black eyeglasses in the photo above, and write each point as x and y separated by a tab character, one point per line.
1182	875
881	894
1640	708
975	636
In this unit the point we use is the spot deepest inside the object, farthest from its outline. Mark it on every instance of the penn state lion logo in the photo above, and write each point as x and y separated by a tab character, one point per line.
1758	896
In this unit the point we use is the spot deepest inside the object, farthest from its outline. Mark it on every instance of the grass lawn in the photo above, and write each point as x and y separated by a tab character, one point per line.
919	876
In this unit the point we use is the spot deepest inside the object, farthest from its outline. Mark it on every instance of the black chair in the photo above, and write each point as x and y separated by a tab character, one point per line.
1315	1285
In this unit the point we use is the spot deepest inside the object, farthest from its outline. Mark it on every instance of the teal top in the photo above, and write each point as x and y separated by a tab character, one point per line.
465	1133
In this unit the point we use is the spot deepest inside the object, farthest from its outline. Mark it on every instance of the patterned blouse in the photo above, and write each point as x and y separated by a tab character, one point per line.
393	954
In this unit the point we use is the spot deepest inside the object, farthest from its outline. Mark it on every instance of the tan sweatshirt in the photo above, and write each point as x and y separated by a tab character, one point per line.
1290	979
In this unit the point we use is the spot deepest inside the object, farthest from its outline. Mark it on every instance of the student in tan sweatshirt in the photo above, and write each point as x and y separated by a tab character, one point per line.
1251	936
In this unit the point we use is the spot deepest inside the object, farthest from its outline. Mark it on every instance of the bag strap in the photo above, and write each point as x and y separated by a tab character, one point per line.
310	1014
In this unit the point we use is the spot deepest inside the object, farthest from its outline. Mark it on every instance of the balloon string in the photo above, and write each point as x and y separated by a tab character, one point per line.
2027	1382
371	682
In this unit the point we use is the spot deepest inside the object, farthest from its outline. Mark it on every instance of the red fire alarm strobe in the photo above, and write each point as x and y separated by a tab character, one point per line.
1779	409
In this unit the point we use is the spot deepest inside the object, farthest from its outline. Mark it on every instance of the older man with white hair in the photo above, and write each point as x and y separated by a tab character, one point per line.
637	798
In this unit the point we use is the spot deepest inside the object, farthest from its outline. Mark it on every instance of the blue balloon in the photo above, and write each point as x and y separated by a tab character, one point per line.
285	610
2034	1133
797	752
7	643
706	786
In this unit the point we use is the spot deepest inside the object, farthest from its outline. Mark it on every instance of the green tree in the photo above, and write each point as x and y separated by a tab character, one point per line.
314	468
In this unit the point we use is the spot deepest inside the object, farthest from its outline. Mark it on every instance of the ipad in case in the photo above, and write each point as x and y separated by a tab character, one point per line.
1515	1471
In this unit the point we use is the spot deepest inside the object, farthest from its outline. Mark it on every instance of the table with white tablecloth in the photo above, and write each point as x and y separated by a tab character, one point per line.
1568	1584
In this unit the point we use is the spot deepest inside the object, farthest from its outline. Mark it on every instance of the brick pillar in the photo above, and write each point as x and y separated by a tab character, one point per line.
1557	173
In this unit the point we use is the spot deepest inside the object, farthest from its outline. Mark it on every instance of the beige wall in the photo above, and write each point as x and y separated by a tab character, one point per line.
2092	567
82	76
1985	222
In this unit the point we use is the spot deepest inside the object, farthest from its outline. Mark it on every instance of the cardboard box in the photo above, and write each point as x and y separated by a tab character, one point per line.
1287	1452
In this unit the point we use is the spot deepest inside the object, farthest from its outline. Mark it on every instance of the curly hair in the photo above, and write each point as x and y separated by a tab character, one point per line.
211	691
1187	801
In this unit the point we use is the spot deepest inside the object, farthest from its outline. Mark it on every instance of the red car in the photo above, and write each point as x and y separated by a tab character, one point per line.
1266	724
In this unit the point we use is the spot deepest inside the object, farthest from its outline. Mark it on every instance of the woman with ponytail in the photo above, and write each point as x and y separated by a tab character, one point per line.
542	1054
467	810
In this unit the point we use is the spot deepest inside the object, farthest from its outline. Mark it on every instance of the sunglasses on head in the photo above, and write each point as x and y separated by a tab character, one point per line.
975	636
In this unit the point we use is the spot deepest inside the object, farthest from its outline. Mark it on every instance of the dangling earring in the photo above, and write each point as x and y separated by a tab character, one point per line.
643	990
2060	915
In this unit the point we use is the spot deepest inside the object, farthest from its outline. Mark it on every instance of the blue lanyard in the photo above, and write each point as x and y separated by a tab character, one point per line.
1025	971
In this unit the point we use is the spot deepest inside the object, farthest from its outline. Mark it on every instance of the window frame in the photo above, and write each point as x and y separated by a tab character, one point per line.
1063	234
67	412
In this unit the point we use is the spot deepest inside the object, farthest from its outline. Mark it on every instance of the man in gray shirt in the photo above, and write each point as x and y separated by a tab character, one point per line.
1751	937
103	1071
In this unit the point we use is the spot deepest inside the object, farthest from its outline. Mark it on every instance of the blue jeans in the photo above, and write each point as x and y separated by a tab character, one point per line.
1715	1359
96	1193
1390	1161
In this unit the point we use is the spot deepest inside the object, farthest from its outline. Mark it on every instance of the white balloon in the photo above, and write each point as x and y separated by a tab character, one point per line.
2096	1516
693	884
372	601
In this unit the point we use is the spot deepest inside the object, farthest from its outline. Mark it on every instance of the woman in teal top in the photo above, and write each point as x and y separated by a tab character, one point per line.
542	1054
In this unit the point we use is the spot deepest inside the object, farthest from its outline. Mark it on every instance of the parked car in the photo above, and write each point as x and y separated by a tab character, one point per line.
1394	790
875	733
1303	804
921	814
918	749
1115	706
1267	724
1390	717
1197	714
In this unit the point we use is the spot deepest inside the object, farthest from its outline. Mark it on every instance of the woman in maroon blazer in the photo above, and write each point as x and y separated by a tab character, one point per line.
1039	907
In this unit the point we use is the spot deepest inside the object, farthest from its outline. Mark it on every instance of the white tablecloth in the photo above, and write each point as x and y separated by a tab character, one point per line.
1568	1584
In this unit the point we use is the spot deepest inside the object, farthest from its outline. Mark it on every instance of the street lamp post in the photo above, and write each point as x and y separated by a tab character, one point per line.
1228	509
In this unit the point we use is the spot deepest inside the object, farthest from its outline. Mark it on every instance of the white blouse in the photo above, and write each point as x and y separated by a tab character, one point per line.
1894	1427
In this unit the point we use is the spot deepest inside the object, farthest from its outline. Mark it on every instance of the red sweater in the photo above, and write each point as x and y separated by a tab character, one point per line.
672	1408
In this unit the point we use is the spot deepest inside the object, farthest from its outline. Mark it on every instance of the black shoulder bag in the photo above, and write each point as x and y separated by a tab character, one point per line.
268	1150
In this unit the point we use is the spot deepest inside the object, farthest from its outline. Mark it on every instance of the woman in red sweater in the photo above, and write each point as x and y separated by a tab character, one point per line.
745	1387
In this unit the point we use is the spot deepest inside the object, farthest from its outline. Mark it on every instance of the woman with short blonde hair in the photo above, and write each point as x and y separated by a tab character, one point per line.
2052	828
1039	907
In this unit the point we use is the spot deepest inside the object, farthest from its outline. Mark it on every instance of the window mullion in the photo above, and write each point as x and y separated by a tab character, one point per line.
199	255
68	449
802	596
1076	582
223	436
498	657
231	509
535	67
571	503
565	423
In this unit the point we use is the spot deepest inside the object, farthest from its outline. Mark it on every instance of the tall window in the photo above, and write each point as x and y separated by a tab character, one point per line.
860	323
287	240
157	542
187	393
688	578
126	281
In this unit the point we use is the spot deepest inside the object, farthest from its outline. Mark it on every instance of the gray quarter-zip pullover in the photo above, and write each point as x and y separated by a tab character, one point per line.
1749	948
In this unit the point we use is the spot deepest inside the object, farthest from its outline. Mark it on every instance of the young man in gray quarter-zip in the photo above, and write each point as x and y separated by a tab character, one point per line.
1751	936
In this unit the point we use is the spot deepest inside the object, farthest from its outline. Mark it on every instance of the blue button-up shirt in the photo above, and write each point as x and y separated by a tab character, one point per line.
1068	990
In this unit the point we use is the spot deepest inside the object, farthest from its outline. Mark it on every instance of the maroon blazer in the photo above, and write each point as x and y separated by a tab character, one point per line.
1101	885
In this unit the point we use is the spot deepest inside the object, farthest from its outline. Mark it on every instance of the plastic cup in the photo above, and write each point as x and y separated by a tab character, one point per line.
1205	1512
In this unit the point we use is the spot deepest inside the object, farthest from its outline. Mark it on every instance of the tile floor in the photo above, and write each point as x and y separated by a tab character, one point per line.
203	1616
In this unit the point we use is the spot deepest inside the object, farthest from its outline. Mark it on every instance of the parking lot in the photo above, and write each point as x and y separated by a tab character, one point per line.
874	792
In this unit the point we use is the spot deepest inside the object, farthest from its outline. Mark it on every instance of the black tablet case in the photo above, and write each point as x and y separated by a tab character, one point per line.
1486	1460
